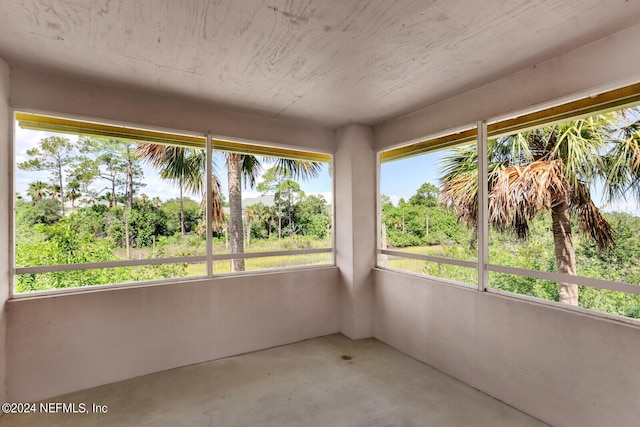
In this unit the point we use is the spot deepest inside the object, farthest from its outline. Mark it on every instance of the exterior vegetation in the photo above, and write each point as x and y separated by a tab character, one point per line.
449	238
541	211
93	209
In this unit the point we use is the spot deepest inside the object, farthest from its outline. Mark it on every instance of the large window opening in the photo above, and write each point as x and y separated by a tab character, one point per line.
563	198
557	211
97	204
419	232
274	207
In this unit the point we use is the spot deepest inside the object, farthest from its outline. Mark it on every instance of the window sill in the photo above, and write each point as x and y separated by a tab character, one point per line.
55	293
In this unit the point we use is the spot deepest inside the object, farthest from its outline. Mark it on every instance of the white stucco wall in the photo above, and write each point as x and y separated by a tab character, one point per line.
354	172
600	66
565	368
31	91
59	344
4	219
72	342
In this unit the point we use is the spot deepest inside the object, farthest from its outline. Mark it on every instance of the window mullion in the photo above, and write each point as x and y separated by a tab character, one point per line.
483	208
208	209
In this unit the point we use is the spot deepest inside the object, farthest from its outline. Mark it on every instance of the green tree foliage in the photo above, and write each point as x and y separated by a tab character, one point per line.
74	193
421	221
172	212
447	237
113	161
52	154
286	193
86	235
552	168
37	191
264	221
426	195
536	253
313	217
41	212
110	221
624	256
146	222
183	166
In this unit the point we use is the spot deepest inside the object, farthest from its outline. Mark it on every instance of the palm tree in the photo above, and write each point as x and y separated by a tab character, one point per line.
186	167
248	166
550	169
251	212
54	191
37	190
267	215
239	166
73	193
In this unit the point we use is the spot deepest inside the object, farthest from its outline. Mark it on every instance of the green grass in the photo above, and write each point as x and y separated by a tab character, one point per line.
178	246
266	263
433	250
451	272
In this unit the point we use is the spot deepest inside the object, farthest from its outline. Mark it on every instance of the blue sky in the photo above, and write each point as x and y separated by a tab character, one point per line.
401	178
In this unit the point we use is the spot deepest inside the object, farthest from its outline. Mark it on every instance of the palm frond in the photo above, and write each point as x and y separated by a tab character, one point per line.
623	164
251	169
538	169
185	166
459	180
217	211
590	219
521	192
299	169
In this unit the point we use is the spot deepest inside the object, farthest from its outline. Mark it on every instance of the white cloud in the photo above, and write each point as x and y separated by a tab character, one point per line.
394	198
627	206
26	138
326	194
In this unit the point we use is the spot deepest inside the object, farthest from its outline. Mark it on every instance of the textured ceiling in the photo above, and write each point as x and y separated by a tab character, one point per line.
328	62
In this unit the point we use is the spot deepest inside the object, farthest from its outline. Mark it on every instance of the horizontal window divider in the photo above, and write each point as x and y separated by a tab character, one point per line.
450	282
102	287
450	261
567	278
246	255
139	262
107	264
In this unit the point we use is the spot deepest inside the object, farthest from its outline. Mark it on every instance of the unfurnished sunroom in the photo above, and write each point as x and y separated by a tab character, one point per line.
320	213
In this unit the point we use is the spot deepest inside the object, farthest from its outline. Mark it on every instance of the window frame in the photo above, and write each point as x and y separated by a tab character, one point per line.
442	140
211	142
505	124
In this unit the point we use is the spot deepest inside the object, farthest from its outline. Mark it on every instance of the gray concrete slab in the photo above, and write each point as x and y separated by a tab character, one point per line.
327	381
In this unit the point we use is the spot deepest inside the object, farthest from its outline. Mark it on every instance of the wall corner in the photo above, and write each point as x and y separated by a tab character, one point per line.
355	166
5	166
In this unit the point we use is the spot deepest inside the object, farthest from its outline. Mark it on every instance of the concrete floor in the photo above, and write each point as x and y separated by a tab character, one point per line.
303	384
